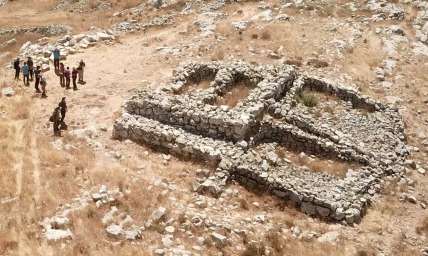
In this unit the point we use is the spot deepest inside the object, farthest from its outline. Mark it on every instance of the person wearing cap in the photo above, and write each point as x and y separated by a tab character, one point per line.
17	68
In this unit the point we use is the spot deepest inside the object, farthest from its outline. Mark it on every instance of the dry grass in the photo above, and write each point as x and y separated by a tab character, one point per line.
237	93
333	167
201	85
422	228
307	98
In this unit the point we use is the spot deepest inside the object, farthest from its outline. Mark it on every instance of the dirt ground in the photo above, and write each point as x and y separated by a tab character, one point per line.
42	172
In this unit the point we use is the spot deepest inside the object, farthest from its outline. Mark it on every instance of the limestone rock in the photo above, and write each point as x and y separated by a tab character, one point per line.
7	91
158	214
330	237
219	239
114	231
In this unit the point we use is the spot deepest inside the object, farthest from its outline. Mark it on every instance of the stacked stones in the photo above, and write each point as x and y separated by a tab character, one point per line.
49	30
166	19
41	51
191	125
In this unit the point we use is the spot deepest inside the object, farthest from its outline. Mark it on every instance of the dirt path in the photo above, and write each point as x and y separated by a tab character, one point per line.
36	168
19	135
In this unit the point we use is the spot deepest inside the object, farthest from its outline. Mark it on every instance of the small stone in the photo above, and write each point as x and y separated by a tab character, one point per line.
219	239
197	248
118	154
421	170
256	204
96	197
166	241
166	157
103	189
170	229
7	91
160	252
412	199
114	231
158	214
331	237
296	231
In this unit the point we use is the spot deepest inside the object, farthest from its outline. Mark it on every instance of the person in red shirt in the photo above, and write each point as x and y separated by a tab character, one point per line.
74	76
67	77
61	74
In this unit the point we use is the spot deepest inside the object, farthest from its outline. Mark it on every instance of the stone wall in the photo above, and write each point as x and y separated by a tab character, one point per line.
240	141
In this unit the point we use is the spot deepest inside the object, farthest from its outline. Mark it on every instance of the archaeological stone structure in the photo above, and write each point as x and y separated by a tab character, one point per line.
241	141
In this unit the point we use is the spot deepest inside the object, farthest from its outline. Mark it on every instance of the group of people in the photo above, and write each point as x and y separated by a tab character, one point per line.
31	73
66	73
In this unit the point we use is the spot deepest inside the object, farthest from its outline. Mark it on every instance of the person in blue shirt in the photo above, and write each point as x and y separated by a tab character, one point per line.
25	73
56	55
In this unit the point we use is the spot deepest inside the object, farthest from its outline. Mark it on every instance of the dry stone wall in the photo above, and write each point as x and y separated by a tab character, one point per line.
241	141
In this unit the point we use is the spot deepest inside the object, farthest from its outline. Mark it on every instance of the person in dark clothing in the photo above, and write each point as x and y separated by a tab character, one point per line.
17	68
74	76
37	76
57	121
67	78
63	106
30	65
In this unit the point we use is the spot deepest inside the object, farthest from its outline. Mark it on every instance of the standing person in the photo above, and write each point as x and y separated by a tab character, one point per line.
30	65
64	109
25	73
67	78
17	68
57	121
81	68
61	74
37	76
56	55
43	82
74	76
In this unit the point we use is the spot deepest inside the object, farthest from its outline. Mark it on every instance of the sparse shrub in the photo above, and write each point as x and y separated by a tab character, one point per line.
254	36
160	228
308	98
265	35
7	246
91	212
329	109
296	63
274	241
181	218
252	249
218	55
318	63
243	204
423	227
